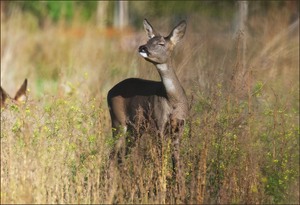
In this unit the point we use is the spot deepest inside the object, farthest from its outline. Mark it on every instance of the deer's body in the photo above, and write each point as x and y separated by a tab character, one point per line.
127	103
156	100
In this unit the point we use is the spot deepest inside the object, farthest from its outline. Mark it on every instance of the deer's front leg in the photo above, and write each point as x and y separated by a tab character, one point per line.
177	127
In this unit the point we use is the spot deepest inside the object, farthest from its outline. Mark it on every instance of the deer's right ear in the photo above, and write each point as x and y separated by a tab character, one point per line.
178	32
149	29
21	94
3	96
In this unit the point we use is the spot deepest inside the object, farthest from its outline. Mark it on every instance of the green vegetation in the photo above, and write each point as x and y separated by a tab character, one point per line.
241	141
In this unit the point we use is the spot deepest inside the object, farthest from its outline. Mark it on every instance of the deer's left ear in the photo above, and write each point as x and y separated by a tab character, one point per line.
149	29
177	33
21	93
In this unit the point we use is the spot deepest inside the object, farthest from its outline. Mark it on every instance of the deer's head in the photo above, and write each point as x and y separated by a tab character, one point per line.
19	97
158	49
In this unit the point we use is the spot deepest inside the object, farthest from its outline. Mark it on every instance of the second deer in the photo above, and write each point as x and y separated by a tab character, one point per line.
19	97
162	102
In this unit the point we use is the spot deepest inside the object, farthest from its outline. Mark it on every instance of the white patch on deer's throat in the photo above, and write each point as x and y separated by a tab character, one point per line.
145	55
169	84
162	67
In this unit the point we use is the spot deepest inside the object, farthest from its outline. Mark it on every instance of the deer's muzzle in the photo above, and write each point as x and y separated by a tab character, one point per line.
144	51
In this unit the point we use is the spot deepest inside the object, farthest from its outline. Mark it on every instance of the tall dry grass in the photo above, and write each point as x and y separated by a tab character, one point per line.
240	145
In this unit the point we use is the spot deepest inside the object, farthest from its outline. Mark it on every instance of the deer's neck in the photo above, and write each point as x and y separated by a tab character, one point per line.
175	92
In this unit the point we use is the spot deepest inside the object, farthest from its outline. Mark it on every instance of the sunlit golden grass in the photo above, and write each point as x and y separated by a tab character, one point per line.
240	145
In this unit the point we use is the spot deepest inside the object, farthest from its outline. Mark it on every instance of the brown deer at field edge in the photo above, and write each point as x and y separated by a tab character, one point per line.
19	97
163	102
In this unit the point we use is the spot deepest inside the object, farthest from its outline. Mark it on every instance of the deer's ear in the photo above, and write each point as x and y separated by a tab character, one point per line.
21	94
177	33
149	29
3	96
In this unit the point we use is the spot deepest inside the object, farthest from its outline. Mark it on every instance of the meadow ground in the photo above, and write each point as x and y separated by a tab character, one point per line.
241	142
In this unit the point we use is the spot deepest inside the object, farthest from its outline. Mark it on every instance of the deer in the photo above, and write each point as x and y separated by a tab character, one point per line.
19	97
164	102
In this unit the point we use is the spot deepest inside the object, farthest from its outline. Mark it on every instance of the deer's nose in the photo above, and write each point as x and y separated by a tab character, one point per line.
143	49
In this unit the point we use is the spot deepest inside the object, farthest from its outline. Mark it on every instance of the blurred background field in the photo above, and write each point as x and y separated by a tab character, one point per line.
239	67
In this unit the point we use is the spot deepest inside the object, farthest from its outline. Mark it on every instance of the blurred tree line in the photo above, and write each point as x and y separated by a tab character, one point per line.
121	13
